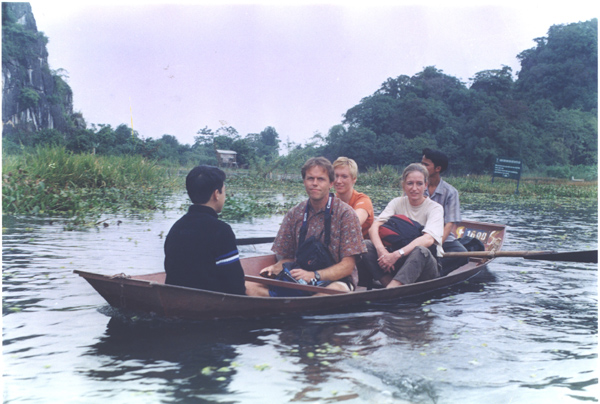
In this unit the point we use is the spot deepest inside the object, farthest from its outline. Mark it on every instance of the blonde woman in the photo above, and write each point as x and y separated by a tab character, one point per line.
346	174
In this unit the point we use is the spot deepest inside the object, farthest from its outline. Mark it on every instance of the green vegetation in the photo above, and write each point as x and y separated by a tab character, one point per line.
246	205
528	188
18	42
546	117
29	97
251	195
53	181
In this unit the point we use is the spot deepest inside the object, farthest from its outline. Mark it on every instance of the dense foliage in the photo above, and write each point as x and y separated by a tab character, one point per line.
18	42
55	182
546	117
51	181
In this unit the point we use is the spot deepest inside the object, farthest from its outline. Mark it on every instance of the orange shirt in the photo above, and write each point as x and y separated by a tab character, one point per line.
362	201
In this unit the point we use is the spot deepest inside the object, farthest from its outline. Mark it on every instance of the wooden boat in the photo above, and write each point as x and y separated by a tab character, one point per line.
149	294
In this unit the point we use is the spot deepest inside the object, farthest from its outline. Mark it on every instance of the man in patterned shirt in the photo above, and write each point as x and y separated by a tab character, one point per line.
446	195
346	242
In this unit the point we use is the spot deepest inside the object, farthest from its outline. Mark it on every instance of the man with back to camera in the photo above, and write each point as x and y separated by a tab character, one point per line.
446	195
200	249
345	244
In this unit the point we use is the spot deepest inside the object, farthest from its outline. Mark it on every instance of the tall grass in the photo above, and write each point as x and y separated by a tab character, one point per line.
52	180
59	167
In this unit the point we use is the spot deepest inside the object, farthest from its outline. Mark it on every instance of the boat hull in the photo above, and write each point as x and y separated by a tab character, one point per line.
149	293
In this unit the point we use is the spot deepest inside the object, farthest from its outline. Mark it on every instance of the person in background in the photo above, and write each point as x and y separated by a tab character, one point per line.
345	244
201	250
446	195
414	262
346	173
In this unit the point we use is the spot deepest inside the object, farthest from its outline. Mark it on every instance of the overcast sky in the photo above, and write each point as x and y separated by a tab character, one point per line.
178	68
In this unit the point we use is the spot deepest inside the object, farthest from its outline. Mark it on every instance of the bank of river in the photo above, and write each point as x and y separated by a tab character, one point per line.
521	332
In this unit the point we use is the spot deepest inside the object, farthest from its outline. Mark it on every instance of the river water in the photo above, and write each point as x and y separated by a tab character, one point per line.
522	331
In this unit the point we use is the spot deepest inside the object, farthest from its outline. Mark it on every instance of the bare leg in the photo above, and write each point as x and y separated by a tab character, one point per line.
257	289
386	279
341	286
393	284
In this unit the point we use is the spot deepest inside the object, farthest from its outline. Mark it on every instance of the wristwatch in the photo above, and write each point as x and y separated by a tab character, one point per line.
401	251
317	276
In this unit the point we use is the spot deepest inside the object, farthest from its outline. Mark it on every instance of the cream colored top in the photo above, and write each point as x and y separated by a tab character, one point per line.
429	214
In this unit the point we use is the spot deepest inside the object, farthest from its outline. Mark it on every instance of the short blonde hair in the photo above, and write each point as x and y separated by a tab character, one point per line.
346	162
415	167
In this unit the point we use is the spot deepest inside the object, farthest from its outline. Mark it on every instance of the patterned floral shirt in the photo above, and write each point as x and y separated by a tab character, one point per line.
346	234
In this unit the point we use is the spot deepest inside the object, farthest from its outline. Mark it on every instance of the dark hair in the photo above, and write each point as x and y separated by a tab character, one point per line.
438	158
202	181
321	162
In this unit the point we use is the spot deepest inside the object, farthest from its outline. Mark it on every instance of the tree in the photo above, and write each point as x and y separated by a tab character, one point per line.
403	109
206	137
494	82
244	150
265	144
269	141
358	144
166	148
563	67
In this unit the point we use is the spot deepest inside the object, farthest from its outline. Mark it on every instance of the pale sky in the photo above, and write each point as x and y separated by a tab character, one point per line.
178	68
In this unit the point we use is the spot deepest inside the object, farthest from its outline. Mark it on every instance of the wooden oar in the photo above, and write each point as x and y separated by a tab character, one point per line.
255	240
590	256
290	285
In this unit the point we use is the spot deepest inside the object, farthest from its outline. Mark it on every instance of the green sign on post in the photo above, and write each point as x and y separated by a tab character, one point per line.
508	168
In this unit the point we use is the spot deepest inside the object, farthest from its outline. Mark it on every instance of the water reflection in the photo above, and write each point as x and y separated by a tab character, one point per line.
180	360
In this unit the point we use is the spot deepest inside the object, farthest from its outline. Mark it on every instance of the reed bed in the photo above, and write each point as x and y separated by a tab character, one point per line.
54	181
252	195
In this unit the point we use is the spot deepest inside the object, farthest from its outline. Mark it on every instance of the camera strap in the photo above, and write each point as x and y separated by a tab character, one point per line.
304	228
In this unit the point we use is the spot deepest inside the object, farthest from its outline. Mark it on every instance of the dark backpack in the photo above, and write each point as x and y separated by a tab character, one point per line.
472	244
399	231
311	255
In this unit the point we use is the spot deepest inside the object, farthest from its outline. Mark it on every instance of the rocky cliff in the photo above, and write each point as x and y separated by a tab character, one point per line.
33	96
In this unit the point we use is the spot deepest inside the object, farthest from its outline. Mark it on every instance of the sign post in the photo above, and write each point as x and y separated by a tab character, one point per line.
508	168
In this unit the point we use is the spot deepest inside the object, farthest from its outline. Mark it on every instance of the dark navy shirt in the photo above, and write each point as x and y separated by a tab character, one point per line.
201	252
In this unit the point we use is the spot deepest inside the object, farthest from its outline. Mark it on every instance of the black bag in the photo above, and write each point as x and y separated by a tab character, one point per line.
286	276
399	231
472	244
311	255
